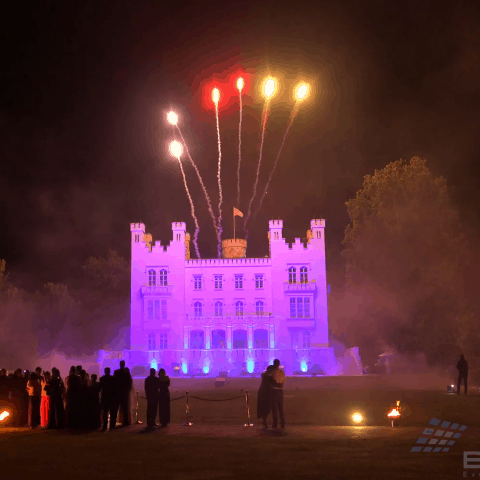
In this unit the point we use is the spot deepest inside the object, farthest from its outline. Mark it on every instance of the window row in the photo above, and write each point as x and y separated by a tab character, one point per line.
301	339
198	283
292	275
300	307
161	281
239	308
157	310
218	339
162	341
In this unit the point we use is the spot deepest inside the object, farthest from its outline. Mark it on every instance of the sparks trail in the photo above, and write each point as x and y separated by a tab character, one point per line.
265	115
239	143
276	160
197	228
200	180
220	195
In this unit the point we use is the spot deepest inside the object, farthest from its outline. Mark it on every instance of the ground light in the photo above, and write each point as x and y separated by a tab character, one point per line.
451	389
357	417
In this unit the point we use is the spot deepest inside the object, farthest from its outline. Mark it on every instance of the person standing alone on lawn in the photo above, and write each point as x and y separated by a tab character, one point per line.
278	376
462	367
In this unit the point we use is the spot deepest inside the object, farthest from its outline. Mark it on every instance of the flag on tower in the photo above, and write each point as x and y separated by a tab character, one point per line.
237	212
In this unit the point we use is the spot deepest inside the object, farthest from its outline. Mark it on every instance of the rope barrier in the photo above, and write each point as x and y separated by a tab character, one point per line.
187	405
216	399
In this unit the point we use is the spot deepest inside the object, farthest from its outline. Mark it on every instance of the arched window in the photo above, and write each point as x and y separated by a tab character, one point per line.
304	275
218	339
163	278
292	275
259	308
152	278
239	339
260	338
198	309
218	309
239	309
197	339
151	341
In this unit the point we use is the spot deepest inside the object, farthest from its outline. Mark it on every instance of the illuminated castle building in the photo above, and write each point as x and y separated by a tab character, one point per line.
233	314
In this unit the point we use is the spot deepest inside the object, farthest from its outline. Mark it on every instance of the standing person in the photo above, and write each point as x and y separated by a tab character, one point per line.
132	399
265	395
4	386
152	384
164	398
34	388
278	376
107	398
462	367
55	389
123	388
45	402
73	399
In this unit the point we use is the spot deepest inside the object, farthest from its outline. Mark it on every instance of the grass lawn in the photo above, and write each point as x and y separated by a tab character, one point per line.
318	442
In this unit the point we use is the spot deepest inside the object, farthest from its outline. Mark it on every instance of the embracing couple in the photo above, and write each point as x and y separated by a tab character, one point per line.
270	395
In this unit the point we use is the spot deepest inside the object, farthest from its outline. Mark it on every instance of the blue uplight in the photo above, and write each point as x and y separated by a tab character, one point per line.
250	365
303	366
206	369
153	364
184	367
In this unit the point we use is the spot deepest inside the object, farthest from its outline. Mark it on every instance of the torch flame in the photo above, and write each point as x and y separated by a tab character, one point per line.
394	413
176	149
215	95
240	83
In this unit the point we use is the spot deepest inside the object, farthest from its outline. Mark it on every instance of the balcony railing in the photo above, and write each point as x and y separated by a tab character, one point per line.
157	289
304	287
229	320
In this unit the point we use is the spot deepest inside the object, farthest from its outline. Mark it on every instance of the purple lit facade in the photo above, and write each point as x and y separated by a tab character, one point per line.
230	314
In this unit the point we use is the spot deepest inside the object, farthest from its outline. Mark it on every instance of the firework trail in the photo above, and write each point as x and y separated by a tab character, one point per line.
220	200
239	86
276	160
265	115
200	180
197	228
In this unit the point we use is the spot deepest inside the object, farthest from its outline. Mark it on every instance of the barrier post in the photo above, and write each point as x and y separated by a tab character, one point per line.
187	423
137	421
247	403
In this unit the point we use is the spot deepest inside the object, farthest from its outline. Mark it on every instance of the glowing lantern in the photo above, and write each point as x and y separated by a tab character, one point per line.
176	149
215	95
302	91
172	117
269	87
240	83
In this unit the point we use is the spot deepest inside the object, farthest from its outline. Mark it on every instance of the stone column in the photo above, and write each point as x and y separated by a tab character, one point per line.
271	336
250	336
229	337
208	337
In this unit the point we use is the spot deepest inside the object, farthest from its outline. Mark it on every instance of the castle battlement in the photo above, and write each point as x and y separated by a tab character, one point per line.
137	226
275	224
214	262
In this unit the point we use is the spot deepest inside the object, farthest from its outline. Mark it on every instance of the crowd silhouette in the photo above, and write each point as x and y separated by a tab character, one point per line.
80	402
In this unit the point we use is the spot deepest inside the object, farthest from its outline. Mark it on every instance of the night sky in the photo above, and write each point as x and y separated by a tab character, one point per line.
85	87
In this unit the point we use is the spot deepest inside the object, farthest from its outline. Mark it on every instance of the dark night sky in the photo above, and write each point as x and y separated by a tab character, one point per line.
84	87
